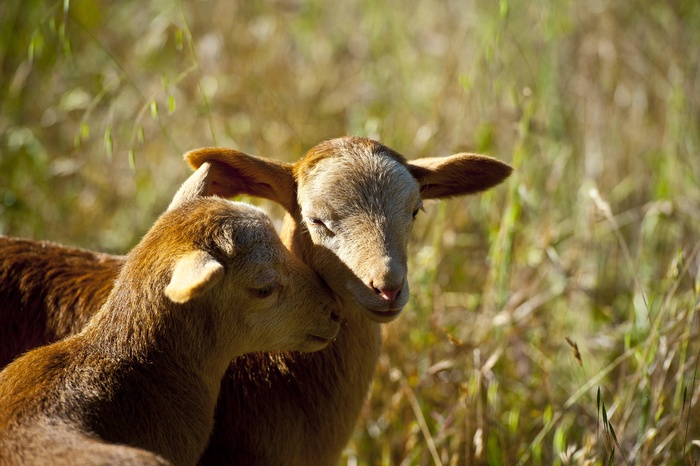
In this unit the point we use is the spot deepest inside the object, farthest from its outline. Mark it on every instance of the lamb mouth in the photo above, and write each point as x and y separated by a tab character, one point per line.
318	339
384	316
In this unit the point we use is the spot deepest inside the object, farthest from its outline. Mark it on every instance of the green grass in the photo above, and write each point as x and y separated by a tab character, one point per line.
553	320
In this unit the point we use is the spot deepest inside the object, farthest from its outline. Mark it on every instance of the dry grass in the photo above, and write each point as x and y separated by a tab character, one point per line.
552	321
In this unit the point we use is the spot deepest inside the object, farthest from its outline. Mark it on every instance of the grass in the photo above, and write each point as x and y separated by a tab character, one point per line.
553	320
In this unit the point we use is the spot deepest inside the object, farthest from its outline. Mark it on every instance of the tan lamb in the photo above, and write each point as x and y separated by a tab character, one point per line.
350	205
210	281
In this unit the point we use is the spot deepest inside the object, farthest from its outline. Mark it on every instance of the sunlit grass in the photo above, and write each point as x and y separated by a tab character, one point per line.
553	320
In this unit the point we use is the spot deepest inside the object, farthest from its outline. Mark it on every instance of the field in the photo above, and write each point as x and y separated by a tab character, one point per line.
553	320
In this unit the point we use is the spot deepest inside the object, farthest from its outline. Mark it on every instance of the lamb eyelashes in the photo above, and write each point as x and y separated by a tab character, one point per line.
318	223
265	291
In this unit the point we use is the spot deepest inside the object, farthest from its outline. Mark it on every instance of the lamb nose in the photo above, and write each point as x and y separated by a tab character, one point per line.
388	294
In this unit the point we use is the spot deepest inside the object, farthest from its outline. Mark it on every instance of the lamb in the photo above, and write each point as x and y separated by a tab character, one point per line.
350	204
211	280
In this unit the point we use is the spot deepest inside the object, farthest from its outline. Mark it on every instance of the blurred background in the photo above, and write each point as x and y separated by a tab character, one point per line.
553	320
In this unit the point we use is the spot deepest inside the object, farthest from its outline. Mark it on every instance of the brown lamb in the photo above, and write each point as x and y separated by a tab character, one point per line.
210	281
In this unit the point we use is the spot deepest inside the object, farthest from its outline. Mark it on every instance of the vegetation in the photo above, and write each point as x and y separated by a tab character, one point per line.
553	320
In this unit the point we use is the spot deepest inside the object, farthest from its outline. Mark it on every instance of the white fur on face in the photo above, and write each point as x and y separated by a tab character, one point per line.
360	206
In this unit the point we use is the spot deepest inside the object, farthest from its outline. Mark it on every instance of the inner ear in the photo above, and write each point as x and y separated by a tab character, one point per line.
234	173
197	185
457	175
193	274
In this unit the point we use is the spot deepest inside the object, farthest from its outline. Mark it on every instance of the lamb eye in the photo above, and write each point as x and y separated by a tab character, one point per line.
418	208
264	292
317	222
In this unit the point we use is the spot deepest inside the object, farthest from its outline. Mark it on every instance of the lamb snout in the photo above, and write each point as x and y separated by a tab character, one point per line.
327	323
388	293
335	314
388	280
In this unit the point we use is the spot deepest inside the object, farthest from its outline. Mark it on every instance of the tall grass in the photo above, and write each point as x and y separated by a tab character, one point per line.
553	320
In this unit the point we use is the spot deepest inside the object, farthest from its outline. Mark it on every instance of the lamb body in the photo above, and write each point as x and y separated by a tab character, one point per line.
138	385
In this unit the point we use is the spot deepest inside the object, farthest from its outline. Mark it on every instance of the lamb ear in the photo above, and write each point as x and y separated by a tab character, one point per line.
197	185
193	274
457	175
235	173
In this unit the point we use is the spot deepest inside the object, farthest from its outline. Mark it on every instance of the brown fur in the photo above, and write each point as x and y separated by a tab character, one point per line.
138	385
39	282
305	406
